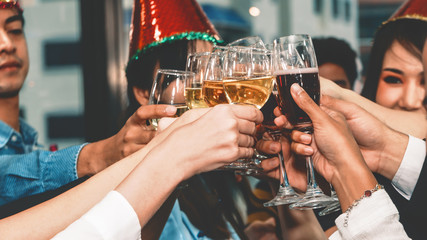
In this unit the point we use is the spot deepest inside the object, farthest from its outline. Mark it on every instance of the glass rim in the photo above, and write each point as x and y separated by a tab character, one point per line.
196	54
175	72
302	36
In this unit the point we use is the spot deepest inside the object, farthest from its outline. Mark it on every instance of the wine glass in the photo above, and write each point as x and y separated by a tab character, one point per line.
251	41
196	63
294	61
333	206
286	194
168	88
212	88
247	80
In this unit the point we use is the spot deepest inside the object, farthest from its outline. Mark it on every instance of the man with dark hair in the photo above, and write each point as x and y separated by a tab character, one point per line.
26	170
336	60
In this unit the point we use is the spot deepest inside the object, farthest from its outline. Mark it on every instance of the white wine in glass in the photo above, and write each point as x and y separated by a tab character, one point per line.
196	63
168	88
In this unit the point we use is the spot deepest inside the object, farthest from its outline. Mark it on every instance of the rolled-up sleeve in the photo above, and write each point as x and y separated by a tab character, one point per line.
26	174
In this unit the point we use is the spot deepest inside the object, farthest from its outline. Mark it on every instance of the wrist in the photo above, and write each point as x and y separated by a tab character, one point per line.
351	180
392	153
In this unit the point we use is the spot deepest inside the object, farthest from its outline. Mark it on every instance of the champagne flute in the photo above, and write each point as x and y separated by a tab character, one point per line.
168	88
196	63
212	89
294	61
251	41
286	194
248	80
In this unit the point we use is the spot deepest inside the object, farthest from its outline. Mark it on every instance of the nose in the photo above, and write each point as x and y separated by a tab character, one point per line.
6	43
412	97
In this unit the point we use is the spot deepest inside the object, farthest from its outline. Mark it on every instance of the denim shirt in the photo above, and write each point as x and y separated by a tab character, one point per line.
179	227
26	170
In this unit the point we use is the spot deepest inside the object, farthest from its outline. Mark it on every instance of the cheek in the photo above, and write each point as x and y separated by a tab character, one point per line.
388	96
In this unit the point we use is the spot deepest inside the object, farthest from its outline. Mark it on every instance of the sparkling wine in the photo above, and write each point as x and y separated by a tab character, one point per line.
180	109
308	79
194	98
254	91
213	93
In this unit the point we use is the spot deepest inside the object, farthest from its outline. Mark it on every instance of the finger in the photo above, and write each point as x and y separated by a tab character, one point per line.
154	111
246	127
270	164
301	137
245	152
268	146
247	112
302	149
246	140
282	121
304	101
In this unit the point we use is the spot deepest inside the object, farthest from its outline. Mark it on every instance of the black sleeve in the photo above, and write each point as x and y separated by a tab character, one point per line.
30	201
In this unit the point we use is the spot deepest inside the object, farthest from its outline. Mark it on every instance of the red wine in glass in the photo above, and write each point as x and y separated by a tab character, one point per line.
308	79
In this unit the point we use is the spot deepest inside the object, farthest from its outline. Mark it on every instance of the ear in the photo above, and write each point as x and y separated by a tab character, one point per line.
141	95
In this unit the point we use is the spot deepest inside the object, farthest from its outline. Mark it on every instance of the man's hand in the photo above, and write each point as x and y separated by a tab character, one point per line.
134	135
382	147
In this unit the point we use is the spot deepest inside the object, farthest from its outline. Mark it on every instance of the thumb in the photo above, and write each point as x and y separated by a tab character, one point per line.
304	101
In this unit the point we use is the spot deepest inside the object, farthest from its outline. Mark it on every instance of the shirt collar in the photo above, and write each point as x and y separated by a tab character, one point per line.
29	134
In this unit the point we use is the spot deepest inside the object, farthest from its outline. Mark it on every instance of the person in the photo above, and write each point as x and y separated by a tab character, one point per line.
394	77
206	208
336	61
25	169
368	210
143	180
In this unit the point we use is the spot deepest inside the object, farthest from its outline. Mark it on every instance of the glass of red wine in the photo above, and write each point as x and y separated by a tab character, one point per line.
285	194
294	61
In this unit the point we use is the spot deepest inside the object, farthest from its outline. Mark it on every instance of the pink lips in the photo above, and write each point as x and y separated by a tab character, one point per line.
10	65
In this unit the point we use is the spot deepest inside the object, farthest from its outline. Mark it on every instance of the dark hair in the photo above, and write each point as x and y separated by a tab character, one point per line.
140	73
208	199
410	33
337	51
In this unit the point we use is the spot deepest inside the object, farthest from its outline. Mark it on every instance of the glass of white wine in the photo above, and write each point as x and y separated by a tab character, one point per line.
168	88
196	63
248	79
212	89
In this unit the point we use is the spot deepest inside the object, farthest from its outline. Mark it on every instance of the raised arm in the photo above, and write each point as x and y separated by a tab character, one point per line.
411	123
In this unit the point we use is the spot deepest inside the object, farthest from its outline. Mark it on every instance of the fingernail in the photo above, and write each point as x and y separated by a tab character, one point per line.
306	138
296	88
170	110
308	151
273	162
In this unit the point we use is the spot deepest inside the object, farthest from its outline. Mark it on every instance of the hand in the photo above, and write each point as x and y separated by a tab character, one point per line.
382	147
336	154
262	230
135	134
221	135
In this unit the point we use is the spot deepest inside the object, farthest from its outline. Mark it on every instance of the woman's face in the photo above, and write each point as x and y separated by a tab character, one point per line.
401	83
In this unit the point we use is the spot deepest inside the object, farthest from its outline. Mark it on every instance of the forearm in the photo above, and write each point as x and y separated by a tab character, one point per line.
43	221
411	123
350	181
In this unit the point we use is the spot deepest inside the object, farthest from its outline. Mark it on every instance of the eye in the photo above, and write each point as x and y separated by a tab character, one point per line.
392	80
17	31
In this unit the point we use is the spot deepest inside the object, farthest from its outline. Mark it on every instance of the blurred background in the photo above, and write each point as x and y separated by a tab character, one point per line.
76	88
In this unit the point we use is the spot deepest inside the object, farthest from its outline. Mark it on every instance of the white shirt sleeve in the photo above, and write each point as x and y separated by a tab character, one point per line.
407	175
374	217
112	218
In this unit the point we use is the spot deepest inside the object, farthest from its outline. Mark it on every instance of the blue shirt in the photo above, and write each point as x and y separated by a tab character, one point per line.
179	227
26	170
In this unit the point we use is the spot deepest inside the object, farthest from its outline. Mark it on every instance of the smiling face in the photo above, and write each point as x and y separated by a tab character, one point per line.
14	61
401	83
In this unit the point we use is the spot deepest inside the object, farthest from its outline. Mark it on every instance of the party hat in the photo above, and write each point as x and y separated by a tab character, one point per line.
156	22
411	9
8	4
